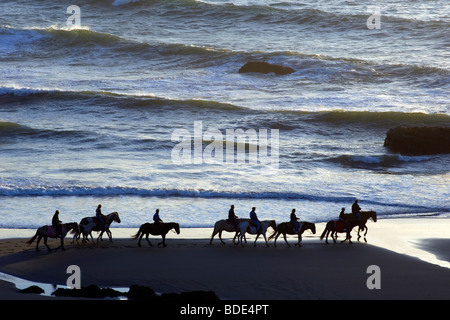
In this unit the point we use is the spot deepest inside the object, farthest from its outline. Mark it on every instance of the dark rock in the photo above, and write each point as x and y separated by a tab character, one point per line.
418	140
32	289
91	291
138	292
265	67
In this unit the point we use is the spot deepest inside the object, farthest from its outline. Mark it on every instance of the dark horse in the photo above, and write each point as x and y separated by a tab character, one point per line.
335	226
162	229
50	232
364	216
287	228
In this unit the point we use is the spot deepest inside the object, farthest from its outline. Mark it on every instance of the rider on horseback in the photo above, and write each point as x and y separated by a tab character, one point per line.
232	217
294	220
56	223
99	216
255	220
156	219
356	209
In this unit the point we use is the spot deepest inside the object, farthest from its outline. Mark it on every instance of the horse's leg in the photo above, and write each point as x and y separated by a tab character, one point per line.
220	237
37	243
240	238
365	234
285	240
61	245
257	236
276	237
146	238
212	236
299	239
45	242
265	238
109	233
163	242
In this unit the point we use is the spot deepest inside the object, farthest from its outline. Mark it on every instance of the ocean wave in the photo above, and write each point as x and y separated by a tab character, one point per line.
62	43
24	190
289	118
383	160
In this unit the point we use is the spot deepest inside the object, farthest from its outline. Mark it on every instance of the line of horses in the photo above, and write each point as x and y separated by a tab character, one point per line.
245	226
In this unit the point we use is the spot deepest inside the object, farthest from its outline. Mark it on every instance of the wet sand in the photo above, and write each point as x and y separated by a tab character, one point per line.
189	263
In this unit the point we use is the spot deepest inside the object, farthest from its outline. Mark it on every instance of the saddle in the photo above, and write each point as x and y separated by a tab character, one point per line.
339	225
51	231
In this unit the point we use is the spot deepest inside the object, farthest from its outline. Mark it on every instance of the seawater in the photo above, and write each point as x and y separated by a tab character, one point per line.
87	114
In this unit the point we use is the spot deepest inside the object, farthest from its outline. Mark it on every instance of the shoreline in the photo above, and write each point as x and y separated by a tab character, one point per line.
411	252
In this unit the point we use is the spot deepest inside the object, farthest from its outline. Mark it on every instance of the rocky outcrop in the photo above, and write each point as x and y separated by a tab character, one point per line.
32	289
265	67
136	292
418	140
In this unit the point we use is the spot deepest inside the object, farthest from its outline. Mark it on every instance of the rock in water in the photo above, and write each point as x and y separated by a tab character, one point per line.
32	289
418	140
265	67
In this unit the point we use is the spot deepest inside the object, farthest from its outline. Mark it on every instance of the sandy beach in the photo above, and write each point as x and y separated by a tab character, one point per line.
412	264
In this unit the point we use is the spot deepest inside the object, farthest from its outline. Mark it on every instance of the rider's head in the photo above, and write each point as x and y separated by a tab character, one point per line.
157	210
293	210
254	208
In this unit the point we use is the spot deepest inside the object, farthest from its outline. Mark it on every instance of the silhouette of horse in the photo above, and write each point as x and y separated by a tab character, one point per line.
335	226
225	225
89	224
365	215
246	227
50	232
287	228
162	230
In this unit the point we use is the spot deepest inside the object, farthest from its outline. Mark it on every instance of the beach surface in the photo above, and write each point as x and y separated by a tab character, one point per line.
412	256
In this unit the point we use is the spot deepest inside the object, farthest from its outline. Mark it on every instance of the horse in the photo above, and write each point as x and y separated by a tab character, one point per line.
364	216
226	225
162	230
246	226
50	232
335	226
89	224
287	228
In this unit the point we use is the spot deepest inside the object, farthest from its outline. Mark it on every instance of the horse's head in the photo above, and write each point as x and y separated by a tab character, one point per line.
177	228
116	217
75	228
312	226
273	224
374	216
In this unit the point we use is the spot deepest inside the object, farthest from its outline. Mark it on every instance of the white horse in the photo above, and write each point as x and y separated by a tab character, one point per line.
225	225
246	227
89	224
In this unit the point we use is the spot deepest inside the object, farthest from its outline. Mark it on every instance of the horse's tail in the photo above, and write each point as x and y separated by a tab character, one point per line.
32	239
137	234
